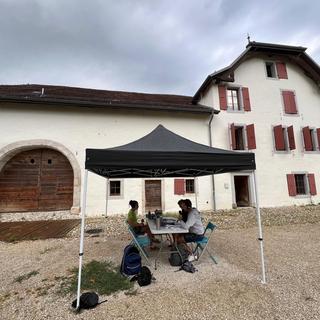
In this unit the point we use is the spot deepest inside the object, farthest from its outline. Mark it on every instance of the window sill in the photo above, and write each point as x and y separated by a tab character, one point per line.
302	196
311	152
235	111
291	114
282	151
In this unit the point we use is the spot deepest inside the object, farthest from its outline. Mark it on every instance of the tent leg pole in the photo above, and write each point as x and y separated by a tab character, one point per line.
260	228
107	197
83	214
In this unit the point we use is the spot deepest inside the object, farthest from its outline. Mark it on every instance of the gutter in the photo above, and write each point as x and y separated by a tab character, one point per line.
210	143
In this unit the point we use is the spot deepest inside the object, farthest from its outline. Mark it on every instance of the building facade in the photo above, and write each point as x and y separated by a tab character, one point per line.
269	103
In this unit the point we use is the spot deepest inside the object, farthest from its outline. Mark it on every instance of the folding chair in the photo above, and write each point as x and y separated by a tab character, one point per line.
140	241
202	245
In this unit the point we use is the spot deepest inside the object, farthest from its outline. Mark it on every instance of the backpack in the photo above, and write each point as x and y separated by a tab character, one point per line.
88	300
188	267
175	258
131	261
144	277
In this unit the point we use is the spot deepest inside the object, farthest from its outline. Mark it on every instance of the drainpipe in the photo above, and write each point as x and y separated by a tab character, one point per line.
212	176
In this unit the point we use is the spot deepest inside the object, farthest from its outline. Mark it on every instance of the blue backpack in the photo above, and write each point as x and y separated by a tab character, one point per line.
131	261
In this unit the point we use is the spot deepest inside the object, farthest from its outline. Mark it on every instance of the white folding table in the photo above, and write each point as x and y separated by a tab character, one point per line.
168	229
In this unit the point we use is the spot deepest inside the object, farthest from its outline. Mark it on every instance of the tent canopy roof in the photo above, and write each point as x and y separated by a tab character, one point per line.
162	153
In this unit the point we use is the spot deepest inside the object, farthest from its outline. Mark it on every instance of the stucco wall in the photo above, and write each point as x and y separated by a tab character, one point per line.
267	110
80	128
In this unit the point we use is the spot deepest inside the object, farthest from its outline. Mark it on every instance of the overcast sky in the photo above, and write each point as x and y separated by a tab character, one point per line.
159	46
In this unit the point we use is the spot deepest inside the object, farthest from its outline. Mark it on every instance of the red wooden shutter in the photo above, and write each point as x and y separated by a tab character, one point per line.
251	137
312	184
246	99
307	139
291	185
318	136
281	70
233	136
292	144
289	102
223	97
278	137
179	186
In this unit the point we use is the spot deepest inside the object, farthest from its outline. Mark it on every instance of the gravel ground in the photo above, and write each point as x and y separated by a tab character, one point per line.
229	290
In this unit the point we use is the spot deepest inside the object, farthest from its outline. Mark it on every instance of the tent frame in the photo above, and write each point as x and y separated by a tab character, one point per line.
83	213
163	153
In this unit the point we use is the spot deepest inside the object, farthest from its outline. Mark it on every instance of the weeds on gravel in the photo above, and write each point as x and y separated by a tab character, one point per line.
26	276
103	277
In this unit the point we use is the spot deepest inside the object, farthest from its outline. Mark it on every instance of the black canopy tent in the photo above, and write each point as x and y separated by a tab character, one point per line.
163	153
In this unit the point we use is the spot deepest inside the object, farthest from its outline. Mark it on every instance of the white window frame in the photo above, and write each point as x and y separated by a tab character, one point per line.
194	186
120	196
306	184
273	63
286	140
244	136
314	139
240	99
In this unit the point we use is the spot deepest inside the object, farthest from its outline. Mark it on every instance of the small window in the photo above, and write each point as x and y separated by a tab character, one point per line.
233	99
300	180
190	186
242	137
239	134
283	138
311	139
115	188
271	70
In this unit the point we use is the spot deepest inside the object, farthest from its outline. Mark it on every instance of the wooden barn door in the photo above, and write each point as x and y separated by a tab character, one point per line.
36	180
153	195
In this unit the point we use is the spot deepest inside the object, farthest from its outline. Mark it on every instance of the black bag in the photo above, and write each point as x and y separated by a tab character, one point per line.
131	261
175	259
144	277
188	267
88	300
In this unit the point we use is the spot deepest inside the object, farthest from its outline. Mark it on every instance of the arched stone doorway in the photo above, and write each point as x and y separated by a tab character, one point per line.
36	180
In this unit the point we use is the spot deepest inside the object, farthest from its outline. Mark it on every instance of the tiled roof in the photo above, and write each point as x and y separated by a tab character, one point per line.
37	93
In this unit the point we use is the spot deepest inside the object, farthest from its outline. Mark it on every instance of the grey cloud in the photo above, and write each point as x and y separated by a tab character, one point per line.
148	46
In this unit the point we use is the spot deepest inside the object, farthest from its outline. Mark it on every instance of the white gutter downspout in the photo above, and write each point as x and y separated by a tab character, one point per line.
212	176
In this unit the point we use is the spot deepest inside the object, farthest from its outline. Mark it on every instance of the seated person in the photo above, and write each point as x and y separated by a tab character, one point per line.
193	224
139	228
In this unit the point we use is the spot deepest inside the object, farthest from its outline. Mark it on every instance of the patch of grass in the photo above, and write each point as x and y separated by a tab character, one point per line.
102	277
26	276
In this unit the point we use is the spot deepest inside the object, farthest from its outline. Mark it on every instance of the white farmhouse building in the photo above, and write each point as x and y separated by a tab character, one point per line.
267	101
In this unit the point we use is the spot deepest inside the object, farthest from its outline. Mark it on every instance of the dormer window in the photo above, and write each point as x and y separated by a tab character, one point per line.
271	70
276	70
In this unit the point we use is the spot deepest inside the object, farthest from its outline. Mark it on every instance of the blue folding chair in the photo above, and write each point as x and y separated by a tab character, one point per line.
202	245
140	241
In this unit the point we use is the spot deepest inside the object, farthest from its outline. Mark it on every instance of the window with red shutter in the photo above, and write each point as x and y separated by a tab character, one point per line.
179	186
246	99
292	144
291	185
279	140
222	97
318	137
308	146
251	137
289	102
233	136
281	70
312	184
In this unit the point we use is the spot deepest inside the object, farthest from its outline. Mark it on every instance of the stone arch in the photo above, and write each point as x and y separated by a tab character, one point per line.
10	150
